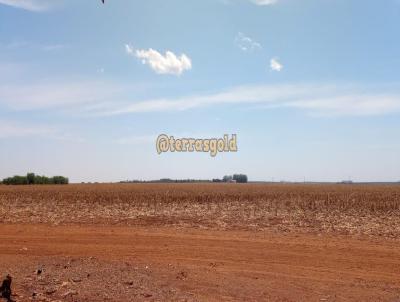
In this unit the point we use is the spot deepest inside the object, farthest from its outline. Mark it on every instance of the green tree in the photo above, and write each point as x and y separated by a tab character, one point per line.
227	178
30	178
240	178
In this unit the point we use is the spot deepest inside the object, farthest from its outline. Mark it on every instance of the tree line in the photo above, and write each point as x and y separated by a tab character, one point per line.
239	178
32	179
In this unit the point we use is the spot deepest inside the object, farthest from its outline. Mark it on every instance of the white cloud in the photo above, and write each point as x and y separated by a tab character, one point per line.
31	5
256	2
275	65
53	94
246	43
162	64
104	98
129	49
10	129
348	104
15	129
319	100
264	2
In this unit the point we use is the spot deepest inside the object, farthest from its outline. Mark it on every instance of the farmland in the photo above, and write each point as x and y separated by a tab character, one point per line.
345	209
202	242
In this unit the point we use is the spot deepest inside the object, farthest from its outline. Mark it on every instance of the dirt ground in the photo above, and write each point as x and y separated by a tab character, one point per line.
201	242
119	263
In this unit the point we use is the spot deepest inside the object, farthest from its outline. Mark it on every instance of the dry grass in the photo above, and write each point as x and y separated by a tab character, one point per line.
349	209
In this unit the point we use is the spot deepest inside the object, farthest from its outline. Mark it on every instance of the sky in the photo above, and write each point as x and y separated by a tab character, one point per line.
310	87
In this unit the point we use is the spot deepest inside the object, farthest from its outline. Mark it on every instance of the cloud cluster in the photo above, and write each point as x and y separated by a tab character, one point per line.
107	99
161	64
246	43
322	100
275	65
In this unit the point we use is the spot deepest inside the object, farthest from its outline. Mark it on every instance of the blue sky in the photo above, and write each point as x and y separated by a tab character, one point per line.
310	87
